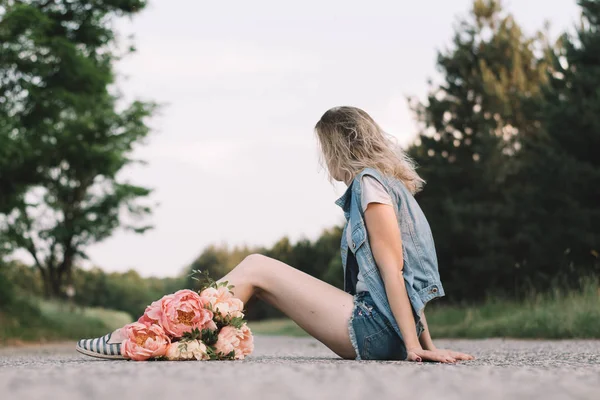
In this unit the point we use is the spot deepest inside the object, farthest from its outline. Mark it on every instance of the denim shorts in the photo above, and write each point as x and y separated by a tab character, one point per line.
371	334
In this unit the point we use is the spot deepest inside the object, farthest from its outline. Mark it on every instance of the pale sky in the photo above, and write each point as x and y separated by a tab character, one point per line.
233	158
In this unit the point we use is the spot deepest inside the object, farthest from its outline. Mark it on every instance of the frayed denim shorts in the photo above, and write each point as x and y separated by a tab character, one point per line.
372	335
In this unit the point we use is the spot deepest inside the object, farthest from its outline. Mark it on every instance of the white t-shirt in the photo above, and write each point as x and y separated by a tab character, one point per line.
372	192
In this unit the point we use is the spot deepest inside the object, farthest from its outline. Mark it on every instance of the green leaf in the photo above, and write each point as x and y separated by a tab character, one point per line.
204	279
194	334
209	337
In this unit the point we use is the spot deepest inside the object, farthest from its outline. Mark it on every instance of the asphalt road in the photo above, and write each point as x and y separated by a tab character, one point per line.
302	368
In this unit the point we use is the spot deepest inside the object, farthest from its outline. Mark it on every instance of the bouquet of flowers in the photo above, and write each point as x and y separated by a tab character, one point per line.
188	325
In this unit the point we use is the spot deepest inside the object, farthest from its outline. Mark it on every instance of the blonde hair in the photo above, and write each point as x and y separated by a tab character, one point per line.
351	141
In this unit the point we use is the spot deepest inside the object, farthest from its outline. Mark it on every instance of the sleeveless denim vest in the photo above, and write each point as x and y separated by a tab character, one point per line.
421	275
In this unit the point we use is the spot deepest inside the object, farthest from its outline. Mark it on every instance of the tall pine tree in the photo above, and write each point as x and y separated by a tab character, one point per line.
557	183
471	124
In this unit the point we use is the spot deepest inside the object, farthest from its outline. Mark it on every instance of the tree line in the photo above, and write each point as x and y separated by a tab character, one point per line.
509	144
510	147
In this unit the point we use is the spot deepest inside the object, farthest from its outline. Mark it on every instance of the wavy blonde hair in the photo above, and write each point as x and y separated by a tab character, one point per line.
351	141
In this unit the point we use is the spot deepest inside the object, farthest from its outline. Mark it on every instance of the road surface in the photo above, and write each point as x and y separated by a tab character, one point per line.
302	368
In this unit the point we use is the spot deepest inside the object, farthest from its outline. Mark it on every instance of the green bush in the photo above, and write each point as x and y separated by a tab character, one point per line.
34	320
7	291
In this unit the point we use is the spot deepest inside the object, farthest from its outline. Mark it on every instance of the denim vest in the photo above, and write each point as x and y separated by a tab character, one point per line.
421	274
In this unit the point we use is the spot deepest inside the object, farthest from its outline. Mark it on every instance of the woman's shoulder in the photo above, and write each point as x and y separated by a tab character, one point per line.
370	174
374	191
372	177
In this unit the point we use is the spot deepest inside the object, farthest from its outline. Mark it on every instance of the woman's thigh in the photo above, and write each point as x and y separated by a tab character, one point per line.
319	308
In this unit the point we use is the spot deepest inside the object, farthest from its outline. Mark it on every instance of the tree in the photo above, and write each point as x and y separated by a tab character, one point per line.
471	127
67	135
328	260
311	257
7	291
557	182
217	261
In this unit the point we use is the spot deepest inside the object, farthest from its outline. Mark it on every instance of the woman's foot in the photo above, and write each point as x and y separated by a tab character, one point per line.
107	347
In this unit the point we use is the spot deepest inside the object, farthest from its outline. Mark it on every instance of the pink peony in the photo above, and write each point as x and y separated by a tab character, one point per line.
143	342
240	341
246	341
211	325
227	340
184	311
152	313
223	301
187	350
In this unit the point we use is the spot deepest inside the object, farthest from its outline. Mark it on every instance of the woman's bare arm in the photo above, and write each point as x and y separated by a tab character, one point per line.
425	338
386	244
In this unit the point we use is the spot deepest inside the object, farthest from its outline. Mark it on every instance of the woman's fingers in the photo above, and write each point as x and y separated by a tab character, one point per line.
462	356
443	356
413	357
457	355
426	355
448	359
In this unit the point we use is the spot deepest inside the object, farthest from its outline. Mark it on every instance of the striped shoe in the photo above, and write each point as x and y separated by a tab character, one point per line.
100	348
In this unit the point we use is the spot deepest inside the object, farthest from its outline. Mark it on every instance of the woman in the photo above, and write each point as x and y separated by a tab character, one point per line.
388	255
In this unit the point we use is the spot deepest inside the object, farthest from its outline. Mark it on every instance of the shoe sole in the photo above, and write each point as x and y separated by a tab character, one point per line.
98	355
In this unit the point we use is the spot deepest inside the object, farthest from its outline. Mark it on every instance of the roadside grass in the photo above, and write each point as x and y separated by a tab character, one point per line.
276	327
36	320
63	314
556	315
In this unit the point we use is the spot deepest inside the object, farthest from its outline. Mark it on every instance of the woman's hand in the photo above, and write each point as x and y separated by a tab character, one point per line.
443	356
427	344
458	356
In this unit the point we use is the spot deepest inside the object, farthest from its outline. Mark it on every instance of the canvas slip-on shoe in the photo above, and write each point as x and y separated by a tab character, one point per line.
100	348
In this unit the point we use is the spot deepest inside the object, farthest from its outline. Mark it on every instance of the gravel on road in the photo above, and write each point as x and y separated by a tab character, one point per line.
302	368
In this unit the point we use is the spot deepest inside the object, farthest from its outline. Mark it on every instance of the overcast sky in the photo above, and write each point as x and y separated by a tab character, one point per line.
233	156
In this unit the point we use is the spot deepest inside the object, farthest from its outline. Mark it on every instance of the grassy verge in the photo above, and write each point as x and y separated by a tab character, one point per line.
37	321
277	327
550	316
557	315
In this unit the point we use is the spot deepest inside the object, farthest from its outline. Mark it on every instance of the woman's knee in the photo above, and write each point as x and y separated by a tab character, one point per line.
255	259
259	268
254	264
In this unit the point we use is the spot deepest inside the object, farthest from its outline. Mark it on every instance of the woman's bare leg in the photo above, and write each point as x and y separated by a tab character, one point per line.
320	309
